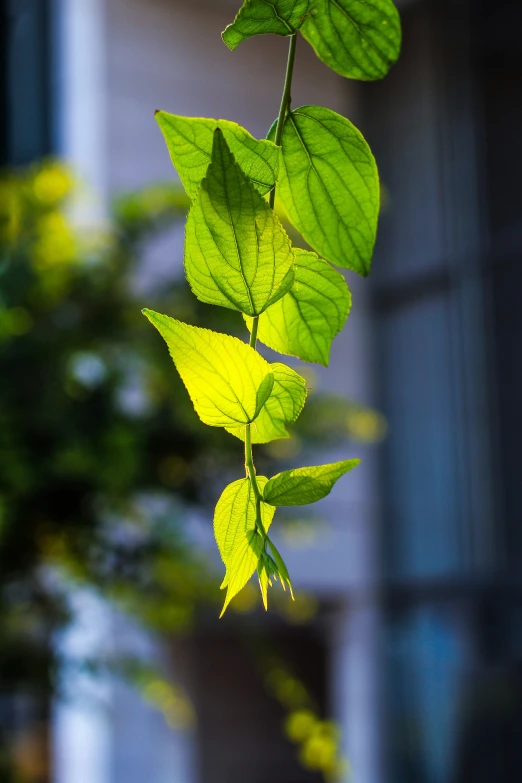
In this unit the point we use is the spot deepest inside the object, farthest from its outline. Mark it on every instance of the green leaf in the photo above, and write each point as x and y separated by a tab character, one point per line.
305	485
235	515
264	574
268	569
282	407
356	38
189	141
256	17
239	542
304	322
228	382
237	254
281	568
242	564
329	186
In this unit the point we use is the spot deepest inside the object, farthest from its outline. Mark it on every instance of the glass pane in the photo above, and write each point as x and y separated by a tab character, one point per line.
421	515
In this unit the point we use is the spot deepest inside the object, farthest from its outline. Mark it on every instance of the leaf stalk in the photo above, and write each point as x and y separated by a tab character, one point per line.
285	102
249	460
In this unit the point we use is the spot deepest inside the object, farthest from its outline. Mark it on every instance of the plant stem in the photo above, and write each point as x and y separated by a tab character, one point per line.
253	333
285	101
249	460
251	472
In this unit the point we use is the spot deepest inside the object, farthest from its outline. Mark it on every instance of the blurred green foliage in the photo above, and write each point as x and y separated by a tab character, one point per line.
92	425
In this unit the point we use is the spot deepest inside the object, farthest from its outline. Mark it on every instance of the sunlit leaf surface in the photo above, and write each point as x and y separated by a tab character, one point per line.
189	142
237	254
329	186
281	409
240	545
228	382
280	17
356	38
305	485
304	322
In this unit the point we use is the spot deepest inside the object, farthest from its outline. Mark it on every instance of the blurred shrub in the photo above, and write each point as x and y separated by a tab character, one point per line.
93	428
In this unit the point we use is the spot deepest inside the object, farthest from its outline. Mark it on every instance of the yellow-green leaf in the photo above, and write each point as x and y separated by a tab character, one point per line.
189	142
265	579
281	409
237	253
281	569
239	543
301	486
329	186
228	382
304	322
257	17
356	38
235	515
243	562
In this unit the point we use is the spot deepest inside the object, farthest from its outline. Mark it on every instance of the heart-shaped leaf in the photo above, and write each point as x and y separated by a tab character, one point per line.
356	38
329	186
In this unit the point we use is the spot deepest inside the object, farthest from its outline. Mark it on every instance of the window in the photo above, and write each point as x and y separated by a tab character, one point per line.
447	276
25	81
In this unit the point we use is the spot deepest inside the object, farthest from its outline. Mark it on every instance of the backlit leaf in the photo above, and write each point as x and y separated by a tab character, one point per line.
242	564
189	141
281	568
280	17
237	254
301	486
228	382
282	407
265	578
329	186
304	322
235	515
356	38
240	544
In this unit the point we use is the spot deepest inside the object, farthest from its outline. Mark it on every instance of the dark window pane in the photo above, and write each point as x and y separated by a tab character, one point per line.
25	81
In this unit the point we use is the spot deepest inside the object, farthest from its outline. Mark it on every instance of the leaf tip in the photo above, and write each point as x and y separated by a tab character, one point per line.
229	39
225	605
366	269
156	112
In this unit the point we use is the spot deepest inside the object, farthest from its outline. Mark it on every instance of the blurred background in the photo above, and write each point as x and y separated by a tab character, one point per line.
401	659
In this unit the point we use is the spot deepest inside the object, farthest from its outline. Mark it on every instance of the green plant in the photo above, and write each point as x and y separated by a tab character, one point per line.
239	256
